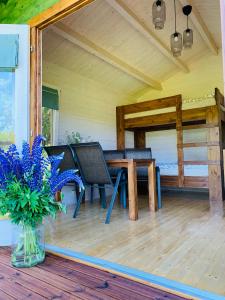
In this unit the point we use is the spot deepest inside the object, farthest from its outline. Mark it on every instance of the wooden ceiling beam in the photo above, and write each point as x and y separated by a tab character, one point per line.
142	28
200	25
79	40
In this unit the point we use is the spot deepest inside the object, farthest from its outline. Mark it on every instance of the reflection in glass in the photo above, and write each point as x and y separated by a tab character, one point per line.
7	108
47	125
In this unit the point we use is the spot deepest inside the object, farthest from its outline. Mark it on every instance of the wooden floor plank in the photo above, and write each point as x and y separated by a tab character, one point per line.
77	290
4	296
60	278
109	289
16	290
123	282
43	289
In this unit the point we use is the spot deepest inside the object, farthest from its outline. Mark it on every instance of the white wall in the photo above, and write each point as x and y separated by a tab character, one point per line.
86	106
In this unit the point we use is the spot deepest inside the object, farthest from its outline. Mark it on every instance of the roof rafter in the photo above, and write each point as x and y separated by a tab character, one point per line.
201	27
141	27
81	41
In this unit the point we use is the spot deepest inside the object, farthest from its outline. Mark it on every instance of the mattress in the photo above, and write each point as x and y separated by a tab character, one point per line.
172	169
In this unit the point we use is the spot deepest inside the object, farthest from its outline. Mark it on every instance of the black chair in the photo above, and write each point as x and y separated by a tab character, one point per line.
67	162
94	171
116	154
142	172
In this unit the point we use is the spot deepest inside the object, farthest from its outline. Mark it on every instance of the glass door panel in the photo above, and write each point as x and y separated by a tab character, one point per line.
7	108
14	84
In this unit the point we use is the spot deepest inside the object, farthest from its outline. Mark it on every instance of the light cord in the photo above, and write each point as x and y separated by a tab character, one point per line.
175	14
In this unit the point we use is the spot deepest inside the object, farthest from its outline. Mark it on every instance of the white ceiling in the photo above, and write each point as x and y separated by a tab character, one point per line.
101	24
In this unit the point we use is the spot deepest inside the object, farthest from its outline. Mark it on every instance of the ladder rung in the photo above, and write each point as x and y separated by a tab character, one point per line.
201	162
197	126
201	144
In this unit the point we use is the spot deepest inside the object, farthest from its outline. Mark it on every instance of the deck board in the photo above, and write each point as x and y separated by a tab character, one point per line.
60	278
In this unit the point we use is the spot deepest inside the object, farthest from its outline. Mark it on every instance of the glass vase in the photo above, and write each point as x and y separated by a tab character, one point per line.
27	246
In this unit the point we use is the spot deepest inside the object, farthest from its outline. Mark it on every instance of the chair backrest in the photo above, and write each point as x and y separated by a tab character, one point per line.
91	163
114	154
135	153
67	162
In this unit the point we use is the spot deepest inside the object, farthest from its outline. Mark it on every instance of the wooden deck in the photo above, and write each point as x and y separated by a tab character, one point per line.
60	278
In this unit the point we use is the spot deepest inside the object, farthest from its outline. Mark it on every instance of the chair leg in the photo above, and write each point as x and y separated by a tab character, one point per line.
115	190
78	203
123	196
92	194
83	198
76	188
102	195
158	184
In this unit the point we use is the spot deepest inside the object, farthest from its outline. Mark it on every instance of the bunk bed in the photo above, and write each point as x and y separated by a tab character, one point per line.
167	113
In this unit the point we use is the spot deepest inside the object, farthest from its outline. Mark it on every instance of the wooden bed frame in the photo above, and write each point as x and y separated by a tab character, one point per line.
210	117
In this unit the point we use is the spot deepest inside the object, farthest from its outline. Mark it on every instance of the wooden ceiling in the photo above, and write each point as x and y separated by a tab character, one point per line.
114	42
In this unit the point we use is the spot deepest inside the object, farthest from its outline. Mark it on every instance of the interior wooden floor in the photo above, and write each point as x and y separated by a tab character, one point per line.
180	242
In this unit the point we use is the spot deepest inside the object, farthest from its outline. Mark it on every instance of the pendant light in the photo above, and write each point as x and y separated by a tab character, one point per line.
176	37
159	14
188	33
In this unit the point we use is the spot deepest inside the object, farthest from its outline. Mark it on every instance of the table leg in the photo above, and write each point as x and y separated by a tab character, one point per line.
152	187
132	191
58	196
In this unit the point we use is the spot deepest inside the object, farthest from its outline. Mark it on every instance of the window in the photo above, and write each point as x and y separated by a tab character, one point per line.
7	108
47	125
14	84
50	107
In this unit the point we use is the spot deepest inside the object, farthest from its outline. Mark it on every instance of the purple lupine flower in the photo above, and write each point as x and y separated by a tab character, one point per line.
26	158
55	161
14	160
32	167
63	178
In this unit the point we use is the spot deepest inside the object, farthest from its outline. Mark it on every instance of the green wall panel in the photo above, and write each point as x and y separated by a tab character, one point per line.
21	11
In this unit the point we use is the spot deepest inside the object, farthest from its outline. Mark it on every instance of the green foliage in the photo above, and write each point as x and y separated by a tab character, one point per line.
21	11
26	206
47	125
73	138
3	1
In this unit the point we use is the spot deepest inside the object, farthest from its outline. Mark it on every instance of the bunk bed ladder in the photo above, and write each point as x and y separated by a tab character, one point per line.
180	151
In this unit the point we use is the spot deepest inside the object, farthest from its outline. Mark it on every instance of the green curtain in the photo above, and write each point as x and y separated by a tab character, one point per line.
9	51
50	98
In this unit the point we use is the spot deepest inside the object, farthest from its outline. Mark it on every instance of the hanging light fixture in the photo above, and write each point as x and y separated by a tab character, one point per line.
159	14
176	37
188	33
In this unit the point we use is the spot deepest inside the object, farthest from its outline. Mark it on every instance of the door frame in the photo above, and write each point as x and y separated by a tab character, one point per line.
51	15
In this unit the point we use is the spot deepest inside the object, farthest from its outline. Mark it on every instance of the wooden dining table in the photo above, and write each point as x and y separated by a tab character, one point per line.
131	166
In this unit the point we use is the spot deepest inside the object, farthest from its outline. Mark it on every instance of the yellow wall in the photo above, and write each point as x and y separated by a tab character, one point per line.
205	74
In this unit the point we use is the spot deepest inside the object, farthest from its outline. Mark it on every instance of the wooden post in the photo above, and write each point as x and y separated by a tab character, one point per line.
180	151
153	206
139	139
35	83
215	170
120	130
